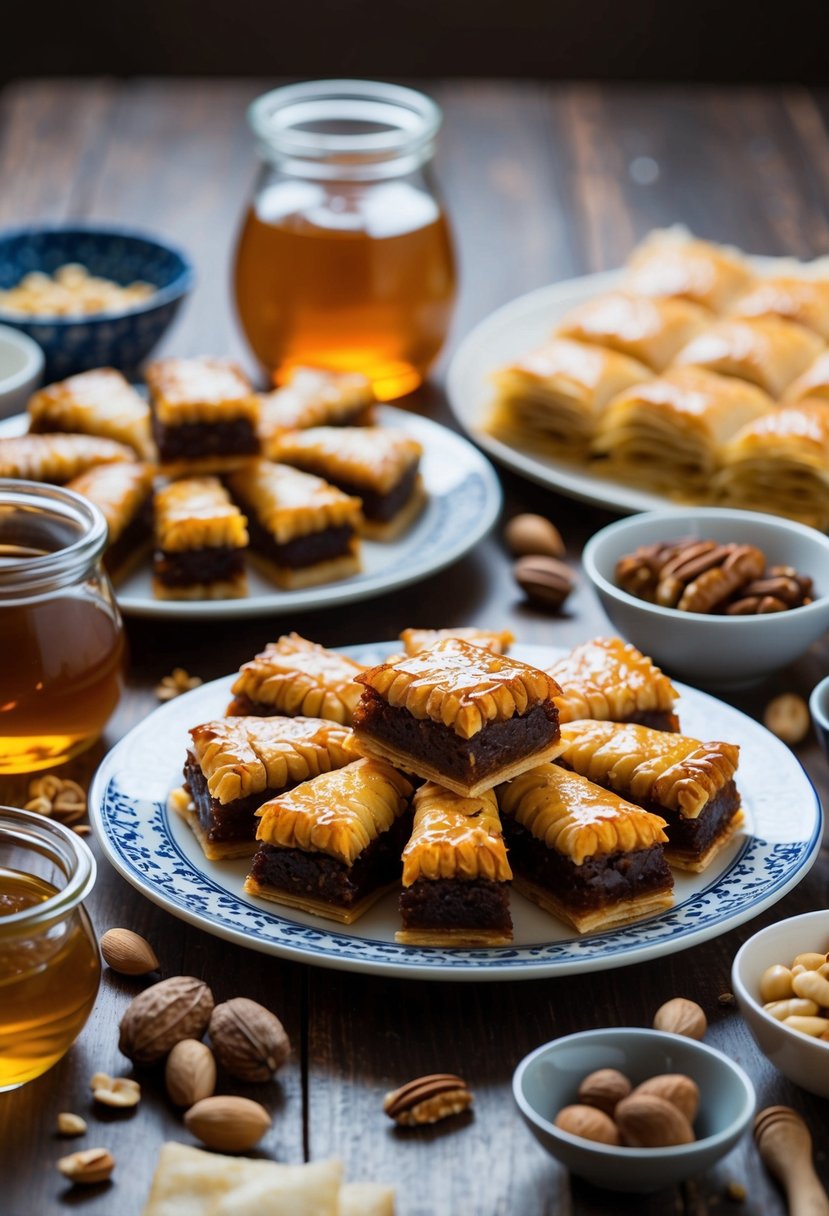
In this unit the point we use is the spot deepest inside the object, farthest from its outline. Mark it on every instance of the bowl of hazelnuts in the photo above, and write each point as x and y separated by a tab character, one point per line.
717	596
633	1109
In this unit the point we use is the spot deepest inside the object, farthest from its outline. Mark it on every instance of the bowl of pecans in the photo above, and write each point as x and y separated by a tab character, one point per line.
90	296
719	597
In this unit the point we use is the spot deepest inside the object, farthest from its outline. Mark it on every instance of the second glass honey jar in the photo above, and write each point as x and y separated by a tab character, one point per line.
345	257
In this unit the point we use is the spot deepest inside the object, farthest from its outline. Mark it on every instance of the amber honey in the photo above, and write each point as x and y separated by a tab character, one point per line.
355	283
48	981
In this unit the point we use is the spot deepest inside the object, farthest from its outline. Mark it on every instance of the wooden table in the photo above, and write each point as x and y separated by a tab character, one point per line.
542	182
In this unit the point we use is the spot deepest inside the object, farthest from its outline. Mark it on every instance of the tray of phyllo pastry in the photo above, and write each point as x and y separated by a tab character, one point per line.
224	501
694	374
456	805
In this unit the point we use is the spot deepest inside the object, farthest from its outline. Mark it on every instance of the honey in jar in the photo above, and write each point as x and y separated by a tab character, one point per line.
63	644
49	963
345	257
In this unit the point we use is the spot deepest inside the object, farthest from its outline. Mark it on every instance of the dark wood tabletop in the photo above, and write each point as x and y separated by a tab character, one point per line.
542	183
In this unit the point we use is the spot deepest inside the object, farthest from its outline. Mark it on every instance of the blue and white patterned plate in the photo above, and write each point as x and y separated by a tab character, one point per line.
463	502
157	853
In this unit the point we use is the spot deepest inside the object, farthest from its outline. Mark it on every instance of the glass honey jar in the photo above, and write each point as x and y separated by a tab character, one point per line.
345	259
63	640
49	963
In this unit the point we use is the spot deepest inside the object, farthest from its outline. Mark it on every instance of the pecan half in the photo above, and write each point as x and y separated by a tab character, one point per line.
428	1099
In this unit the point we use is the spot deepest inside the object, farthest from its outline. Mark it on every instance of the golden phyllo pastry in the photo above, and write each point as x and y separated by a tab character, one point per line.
205	414
651	331
455	872
235	764
765	351
552	398
303	530
380	467
294	676
57	458
803	299
668	433
458	715
332	845
581	852
780	463
689	782
609	679
496	640
100	402
670	262
122	493
813	383
200	540
314	397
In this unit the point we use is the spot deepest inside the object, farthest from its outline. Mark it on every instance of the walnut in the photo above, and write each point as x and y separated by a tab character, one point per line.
176	683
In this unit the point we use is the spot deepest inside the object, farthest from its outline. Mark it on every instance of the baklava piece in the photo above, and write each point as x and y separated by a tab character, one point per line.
765	351
303	530
234	765
689	783
332	845
780	463
458	715
551	399
668	433
380	467
652	331
123	492
670	262
497	640
200	540
610	680
314	397
57	458
296	677
813	383
100	402
205	414
582	853
455	872
800	298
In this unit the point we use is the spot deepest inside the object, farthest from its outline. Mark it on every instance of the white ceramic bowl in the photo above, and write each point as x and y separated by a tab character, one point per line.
819	709
803	1059
21	368
715	651
548	1079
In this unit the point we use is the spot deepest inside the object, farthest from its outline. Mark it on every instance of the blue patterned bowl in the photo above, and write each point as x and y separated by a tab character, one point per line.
112	339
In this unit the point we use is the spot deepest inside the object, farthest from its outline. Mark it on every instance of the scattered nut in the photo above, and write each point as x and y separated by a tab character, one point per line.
588	1122
648	1121
56	796
726	998
228	1123
190	1073
249	1040
676	1088
544	580
128	953
115	1091
681	1016
533	534
603	1089
787	716
88	1166
172	1010
735	1192
175	684
71	1125
428	1099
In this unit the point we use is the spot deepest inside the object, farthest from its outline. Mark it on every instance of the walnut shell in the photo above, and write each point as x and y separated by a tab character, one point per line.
648	1121
589	1123
676	1088
249	1041
163	1015
603	1089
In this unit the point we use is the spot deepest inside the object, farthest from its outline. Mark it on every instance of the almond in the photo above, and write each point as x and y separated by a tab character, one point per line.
228	1123
249	1040
676	1088
128	953
604	1089
647	1121
533	534
70	1124
190	1072
589	1123
161	1016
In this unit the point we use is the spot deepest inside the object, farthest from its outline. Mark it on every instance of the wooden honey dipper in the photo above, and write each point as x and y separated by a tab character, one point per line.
786	1148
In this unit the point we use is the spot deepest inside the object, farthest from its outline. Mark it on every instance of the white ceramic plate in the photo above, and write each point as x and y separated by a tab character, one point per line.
512	331
157	853
464	498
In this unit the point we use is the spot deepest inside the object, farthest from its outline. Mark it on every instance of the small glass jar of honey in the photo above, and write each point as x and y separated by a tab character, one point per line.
345	259
63	640
49	963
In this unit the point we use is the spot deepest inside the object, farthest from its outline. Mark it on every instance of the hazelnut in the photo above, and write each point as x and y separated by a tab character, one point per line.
604	1089
681	1016
545	581
533	534
589	1123
787	716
